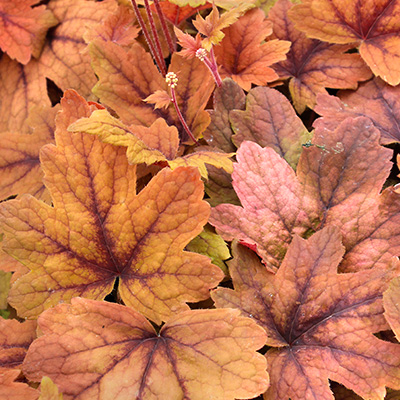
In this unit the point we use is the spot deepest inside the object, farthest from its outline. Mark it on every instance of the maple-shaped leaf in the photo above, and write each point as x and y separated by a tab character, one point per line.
312	65
270	121
227	98
118	27
189	44
177	14
23	28
277	203
21	88
11	390
63	59
211	27
159	142
112	351
15	338
320	323
244	56
20	170
375	27
100	229
160	99
375	99
49	390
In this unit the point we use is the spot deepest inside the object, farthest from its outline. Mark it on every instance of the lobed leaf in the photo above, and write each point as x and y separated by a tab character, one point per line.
9	389
243	57
375	99
374	26
15	338
227	98
312	65
270	121
106	349
276	204
63	59
23	28
20	170
100	229
321	323
21	88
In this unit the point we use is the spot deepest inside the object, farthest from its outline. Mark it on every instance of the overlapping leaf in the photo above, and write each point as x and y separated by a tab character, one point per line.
112	351
375	99
270	121
276	203
15	338
21	88
157	143
10	390
49	390
118	27
63	59
243	57
212	245
312	65
321	323
23	28
227	98
100	229
374	26
20	170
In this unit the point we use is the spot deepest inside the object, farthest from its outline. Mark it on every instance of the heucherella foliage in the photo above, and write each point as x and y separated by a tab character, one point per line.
199	199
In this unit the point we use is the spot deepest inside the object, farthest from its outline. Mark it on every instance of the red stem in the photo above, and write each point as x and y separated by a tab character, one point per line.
154	35
147	37
214	69
171	44
180	116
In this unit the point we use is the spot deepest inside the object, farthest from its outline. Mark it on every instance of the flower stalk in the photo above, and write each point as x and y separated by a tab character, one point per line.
172	81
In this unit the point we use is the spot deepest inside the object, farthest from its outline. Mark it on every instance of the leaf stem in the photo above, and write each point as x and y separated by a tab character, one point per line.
148	38
168	38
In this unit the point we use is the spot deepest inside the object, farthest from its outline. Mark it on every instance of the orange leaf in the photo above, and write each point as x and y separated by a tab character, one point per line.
375	99
321	323
63	59
100	229
157	143
193	91
117	27
211	27
242	55
20	170
10	390
160	99
126	77
312	65
189	44
177	14
112	350
227	98
15	338
374	26
23	28
21	87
